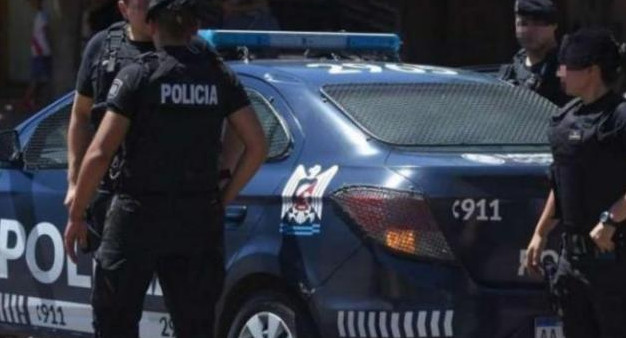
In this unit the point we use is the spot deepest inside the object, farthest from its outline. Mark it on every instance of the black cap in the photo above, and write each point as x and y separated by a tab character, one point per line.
590	46
157	5
537	9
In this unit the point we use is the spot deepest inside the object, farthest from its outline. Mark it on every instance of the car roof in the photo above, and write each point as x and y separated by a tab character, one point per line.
319	73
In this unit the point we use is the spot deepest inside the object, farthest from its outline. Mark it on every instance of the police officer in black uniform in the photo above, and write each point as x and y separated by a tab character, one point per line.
166	112
106	53
588	141
535	65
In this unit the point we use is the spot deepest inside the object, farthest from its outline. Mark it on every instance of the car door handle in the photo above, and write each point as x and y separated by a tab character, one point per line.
236	213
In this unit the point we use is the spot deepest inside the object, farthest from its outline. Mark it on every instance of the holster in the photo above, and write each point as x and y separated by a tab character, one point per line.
95	217
556	285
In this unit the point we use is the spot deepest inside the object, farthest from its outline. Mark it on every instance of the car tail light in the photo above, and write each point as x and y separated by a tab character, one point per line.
399	220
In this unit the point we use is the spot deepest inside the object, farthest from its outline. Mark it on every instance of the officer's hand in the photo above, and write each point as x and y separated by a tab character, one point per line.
533	255
75	231
69	197
602	235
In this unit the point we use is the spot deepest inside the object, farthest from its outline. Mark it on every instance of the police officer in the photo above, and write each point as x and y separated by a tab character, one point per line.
166	113
535	64
106	53
588	141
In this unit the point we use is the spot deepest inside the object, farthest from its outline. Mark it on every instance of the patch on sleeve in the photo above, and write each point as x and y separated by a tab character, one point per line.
115	88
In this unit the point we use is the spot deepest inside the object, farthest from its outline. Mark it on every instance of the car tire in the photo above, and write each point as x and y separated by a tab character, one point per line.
263	311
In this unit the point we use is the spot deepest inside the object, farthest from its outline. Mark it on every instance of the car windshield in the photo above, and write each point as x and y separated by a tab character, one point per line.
445	114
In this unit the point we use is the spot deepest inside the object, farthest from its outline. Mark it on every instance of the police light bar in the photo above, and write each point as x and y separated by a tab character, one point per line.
302	40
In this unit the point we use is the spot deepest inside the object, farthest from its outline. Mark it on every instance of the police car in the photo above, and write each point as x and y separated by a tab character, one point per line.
396	201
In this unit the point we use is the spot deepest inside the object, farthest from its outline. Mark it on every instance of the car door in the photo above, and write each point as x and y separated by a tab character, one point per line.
262	195
39	285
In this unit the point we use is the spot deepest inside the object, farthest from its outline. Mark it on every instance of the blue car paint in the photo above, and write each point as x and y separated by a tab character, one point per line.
401	295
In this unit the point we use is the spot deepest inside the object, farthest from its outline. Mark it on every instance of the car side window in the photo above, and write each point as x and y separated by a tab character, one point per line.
278	138
47	148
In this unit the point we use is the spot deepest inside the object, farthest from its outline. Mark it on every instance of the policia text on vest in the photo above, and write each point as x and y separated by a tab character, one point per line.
189	94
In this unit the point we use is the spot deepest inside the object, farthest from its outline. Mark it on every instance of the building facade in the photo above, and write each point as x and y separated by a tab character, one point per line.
442	32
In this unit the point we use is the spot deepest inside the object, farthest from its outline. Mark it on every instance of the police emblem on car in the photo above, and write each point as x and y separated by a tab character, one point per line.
302	200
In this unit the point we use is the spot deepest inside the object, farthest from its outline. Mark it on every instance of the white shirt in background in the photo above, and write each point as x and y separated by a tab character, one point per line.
39	45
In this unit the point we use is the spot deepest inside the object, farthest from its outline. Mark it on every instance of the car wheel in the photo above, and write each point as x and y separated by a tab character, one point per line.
269	315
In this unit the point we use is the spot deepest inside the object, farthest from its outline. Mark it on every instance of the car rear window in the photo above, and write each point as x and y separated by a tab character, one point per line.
445	114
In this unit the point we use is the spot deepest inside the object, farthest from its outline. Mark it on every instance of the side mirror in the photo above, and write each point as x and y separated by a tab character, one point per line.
9	147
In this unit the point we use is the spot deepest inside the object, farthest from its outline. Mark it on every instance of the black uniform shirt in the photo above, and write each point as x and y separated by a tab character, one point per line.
123	97
176	100
94	81
91	59
540	77
589	170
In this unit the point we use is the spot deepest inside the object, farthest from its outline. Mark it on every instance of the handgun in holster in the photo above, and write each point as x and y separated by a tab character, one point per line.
95	218
556	285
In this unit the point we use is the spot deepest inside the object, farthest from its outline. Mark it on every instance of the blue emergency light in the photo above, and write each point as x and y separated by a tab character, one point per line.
302	40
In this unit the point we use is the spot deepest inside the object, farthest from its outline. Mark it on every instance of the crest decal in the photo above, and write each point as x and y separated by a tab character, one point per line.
301	213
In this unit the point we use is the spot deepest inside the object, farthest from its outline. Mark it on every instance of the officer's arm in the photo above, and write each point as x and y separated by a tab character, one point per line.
80	131
78	136
232	148
547	221
618	209
246	125
107	140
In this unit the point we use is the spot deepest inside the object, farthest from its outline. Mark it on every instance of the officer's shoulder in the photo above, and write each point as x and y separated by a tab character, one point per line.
202	48
147	56
198	44
116	26
621	106
619	113
148	62
96	41
573	104
133	70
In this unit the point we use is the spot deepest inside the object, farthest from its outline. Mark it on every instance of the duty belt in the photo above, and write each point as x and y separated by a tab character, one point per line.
577	244
581	246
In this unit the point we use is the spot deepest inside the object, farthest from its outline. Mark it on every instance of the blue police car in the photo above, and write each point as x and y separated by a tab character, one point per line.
396	201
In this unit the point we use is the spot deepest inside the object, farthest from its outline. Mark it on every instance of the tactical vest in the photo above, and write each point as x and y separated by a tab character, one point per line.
520	75
543	81
112	58
174	141
588	172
